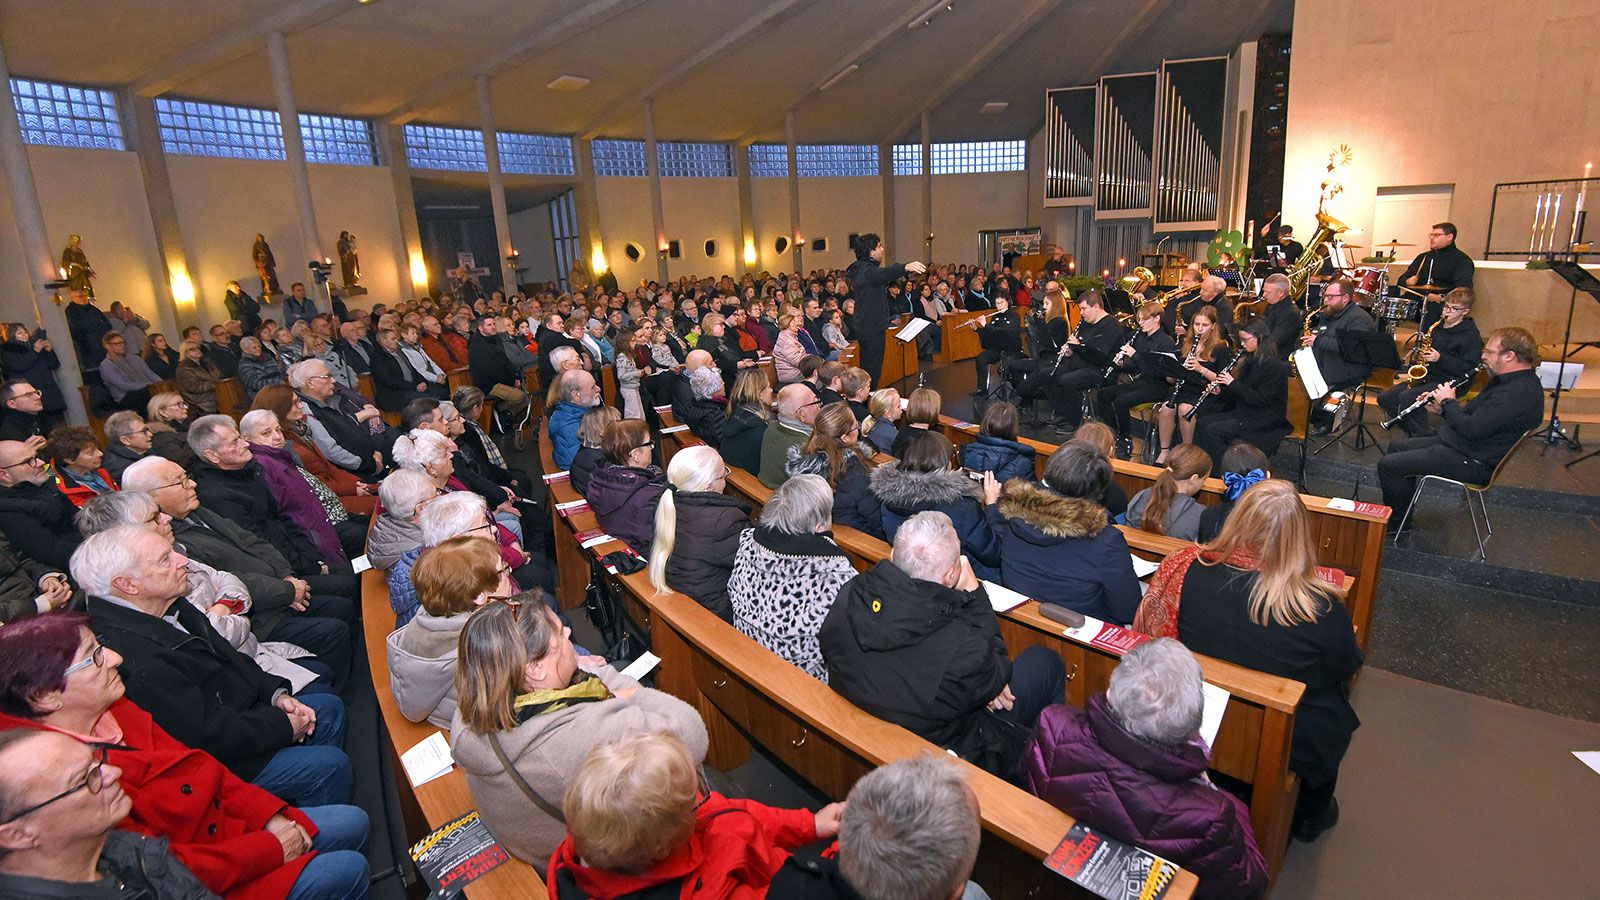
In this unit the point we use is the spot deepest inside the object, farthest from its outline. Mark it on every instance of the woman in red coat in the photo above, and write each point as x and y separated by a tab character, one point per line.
639	817
241	841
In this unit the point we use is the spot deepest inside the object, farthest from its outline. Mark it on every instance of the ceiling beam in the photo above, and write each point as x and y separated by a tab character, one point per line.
219	50
857	55
535	40
1135	29
766	18
975	64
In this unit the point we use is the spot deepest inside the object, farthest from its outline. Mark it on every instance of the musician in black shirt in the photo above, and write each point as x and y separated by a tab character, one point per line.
1047	331
1457	349
1077	372
1116	401
1444	266
1476	434
1204	353
1284	320
1251	402
1213	292
1337	315
1001	334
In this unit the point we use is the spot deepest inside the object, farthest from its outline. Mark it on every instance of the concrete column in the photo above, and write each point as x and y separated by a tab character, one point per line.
412	262
886	173
747	258
584	197
38	263
794	195
497	187
927	189
177	302
653	167
294	149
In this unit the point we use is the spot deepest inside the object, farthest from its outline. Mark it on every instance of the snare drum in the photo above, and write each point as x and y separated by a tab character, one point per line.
1392	308
1371	283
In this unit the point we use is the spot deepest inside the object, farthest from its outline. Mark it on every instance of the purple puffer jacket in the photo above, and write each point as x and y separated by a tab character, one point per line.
1089	766
624	501
296	499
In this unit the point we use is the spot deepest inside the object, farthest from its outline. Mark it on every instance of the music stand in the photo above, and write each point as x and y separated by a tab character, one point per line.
1373	350
1581	280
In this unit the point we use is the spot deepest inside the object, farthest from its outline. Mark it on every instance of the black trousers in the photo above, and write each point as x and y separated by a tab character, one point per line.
870	340
984	360
352	534
1412	458
326	636
1403	395
1066	393
1116	402
1216	432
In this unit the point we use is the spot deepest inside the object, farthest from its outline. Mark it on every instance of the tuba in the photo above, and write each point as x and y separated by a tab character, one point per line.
1300	273
1131	280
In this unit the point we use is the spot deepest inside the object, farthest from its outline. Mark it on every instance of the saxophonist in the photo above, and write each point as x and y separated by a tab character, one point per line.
1338	313
1476	434
1252	400
1452	350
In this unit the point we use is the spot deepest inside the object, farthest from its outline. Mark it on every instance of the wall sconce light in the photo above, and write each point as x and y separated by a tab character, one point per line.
56	284
182	288
750	253
597	260
419	273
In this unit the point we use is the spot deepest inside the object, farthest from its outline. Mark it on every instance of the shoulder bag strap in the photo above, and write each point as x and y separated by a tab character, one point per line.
522	783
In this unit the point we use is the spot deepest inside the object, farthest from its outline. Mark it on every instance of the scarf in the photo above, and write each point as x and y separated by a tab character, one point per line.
1237	484
585	688
1158	611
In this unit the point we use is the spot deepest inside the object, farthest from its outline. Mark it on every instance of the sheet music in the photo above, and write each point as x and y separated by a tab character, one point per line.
1305	362
912	329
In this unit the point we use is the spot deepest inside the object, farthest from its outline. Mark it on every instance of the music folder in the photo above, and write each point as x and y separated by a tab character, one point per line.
911	330
1166	365
1305	364
1374	349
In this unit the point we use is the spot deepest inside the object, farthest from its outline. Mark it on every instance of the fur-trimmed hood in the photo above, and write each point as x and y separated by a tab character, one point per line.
901	490
1048	514
817	463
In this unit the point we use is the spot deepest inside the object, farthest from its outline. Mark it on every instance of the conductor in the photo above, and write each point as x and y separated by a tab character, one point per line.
869	280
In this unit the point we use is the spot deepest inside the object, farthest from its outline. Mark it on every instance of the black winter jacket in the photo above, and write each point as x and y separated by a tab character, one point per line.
37	520
584	462
1064	550
741	439
854	504
926	657
1006	459
20	360
243	497
706	541
904	494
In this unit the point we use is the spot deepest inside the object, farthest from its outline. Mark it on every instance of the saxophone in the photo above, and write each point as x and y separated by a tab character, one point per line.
1419	369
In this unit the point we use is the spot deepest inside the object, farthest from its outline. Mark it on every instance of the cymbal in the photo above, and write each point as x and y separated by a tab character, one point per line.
1423	290
1393	244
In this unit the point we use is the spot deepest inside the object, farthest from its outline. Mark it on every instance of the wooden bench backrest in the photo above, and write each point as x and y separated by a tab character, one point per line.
445	798
1347	540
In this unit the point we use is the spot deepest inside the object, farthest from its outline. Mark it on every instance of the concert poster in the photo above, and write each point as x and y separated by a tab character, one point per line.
1110	868
457	854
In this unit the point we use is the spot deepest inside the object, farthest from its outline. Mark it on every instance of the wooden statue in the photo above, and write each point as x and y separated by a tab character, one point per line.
266	266
79	274
350	264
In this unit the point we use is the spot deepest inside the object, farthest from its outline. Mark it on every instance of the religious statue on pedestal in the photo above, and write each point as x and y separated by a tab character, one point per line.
266	267
350	264
75	267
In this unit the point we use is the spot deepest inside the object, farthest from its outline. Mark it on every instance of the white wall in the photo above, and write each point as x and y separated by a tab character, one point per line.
531	235
963	205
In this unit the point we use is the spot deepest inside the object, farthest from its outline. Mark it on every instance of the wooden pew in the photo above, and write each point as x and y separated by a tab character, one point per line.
365	387
1254	740
231	397
958	340
747	695
608	384
1349	540
445	798
98	424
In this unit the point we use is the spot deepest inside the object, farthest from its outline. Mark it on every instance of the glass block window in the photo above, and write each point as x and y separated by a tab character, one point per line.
335	139
196	128
615	157
534	154
980	156
769	160
908	159
688	159
67	115
450	149
834	160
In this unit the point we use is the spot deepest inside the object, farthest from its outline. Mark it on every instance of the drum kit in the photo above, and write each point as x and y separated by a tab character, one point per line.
1388	303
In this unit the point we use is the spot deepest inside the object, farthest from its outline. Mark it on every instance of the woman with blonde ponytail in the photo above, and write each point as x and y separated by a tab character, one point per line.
697	530
1253	597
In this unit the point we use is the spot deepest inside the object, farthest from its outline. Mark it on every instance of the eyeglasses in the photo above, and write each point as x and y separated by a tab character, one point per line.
320	377
1452	307
95	658
25	394
185	480
30	461
93	781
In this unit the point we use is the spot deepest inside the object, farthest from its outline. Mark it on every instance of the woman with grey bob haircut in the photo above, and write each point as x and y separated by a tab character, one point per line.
788	571
220	595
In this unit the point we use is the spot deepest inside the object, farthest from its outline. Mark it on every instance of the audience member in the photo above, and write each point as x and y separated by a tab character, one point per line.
493	373
788	350
749	412
196	686
258	368
787	572
914	641
197	379
921	414
1057	544
1168	507
1243	466
834	452
1133	763
926	478
349	434
479	450
707	407
238	839
452	578
221	352
127	441
591	431
77	457
1102	439
167	414
624	492
883	409
300	495
797	410
358	497
28	587
1253	597
31	358
642	823
997	449
34	516
575	392
126	377
529	710
24	417
397	527
697	530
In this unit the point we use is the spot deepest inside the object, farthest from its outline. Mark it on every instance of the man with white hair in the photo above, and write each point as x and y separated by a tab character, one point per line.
1213	292
258	367
350	433
195	685
913	640
797	410
575	392
285	608
910	829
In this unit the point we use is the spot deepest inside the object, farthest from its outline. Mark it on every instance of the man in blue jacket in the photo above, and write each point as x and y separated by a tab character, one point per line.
579	393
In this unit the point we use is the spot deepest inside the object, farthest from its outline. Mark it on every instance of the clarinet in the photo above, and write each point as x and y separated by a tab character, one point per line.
1423	400
1172	398
1115	361
1077	333
1212	389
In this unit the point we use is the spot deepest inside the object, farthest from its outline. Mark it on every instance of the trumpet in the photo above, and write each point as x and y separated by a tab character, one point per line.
1427	398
